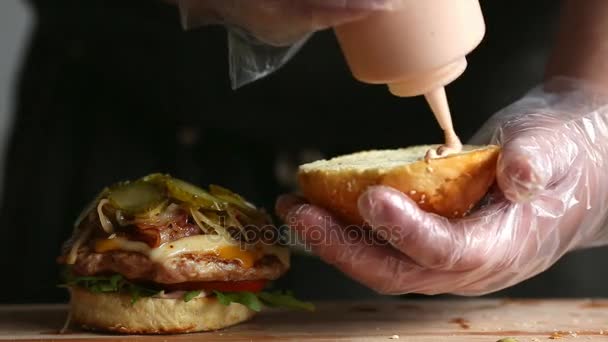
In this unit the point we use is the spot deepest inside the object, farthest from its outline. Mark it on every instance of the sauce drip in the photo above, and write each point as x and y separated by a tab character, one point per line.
438	102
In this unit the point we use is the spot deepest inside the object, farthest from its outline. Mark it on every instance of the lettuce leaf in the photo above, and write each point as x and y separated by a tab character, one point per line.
112	284
118	284
284	300
255	301
188	296
248	299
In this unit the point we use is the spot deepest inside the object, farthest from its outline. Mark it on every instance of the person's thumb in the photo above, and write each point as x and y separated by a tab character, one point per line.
533	160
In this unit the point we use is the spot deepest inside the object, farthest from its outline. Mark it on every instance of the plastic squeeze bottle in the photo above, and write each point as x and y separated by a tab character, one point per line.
416	50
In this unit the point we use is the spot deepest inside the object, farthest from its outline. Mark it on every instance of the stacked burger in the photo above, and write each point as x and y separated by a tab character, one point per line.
160	255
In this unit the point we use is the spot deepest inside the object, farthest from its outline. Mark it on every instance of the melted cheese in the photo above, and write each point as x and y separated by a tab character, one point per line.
107	245
246	258
217	245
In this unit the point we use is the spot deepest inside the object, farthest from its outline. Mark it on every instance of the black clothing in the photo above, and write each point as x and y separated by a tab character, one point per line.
114	89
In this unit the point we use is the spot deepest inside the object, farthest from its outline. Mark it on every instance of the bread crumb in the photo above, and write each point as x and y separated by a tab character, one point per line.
429	169
413	192
456	213
557	335
423	197
394	337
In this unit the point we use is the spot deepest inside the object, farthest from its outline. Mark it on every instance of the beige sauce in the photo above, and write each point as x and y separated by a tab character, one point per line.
438	101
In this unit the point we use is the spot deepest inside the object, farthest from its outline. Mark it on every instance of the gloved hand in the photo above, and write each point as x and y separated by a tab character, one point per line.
265	34
279	22
552	197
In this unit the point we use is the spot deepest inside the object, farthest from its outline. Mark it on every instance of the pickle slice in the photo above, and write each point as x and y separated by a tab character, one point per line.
155	211
136	197
156	178
230	197
240	205
192	194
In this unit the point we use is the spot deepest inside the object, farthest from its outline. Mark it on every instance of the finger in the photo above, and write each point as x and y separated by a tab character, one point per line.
378	266
532	160
372	262
430	240
367	5
285	203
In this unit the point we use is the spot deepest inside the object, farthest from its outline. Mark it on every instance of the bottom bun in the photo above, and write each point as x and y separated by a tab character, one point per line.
115	313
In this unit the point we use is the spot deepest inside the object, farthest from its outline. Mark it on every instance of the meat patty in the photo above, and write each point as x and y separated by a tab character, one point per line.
178	269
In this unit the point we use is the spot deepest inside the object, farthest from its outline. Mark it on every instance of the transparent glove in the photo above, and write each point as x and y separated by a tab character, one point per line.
552	198
263	35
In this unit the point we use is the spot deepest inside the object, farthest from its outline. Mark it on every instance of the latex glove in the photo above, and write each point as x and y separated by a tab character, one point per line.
265	34
279	22
552	198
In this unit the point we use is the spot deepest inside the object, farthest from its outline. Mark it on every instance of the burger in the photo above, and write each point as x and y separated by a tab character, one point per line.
159	255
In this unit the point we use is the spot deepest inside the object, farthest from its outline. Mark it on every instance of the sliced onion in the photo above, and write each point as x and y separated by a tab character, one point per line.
198	221
66	324
221	231
73	254
234	222
106	224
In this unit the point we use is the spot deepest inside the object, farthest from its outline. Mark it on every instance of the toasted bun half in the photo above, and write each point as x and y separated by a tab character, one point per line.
449	186
115	313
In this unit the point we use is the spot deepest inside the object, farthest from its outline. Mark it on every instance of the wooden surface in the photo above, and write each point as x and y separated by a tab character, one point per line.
456	320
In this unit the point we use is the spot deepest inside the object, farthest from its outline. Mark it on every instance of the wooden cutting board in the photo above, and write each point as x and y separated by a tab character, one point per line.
454	320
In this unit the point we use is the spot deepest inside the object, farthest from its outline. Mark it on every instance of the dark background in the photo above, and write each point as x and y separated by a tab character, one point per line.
113	89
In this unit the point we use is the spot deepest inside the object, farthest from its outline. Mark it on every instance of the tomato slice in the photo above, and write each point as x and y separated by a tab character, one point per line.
222	286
